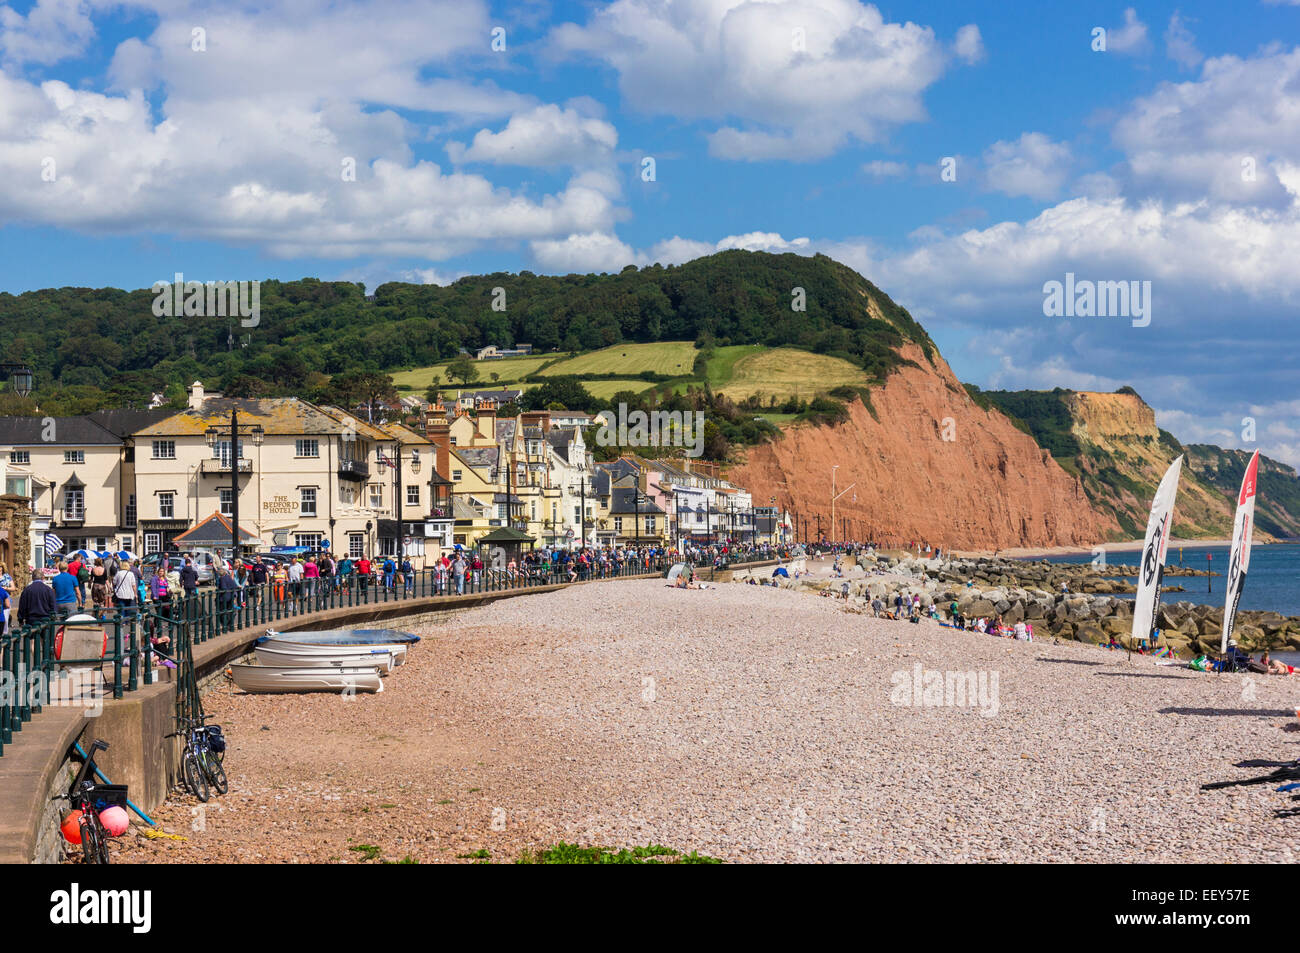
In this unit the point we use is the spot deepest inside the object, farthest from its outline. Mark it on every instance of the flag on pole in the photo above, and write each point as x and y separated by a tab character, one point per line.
52	543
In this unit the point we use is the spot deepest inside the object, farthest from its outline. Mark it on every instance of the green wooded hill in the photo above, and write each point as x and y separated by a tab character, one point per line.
102	347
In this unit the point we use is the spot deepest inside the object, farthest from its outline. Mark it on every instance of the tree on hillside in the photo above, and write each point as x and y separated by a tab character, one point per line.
565	390
462	369
370	388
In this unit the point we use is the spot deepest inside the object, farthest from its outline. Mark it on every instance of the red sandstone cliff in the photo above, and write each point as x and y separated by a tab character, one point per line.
990	486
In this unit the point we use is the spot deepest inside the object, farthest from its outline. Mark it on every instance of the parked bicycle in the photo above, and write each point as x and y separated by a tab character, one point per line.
201	760
87	799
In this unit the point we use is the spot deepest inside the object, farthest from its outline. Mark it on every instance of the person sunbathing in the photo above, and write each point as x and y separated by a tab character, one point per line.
1274	667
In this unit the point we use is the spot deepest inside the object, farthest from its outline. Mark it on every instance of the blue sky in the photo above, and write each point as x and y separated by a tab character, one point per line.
807	126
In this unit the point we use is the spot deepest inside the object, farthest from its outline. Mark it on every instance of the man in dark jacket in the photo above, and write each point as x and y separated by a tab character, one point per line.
36	604
226	589
189	578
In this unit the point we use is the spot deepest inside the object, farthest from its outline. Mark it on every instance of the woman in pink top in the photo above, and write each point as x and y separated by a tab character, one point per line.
310	574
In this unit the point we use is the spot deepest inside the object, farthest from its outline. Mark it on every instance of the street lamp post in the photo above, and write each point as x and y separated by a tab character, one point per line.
582	494
215	435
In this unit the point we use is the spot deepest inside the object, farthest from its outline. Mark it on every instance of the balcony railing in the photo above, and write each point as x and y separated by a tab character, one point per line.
222	465
75	514
354	470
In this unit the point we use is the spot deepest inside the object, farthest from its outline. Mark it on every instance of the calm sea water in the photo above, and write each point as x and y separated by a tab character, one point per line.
1272	582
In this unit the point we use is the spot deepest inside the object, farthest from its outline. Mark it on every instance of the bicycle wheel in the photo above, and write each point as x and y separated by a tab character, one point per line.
195	780
216	773
93	848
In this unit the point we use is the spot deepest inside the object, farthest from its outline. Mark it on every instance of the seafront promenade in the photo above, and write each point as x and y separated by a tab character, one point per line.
748	723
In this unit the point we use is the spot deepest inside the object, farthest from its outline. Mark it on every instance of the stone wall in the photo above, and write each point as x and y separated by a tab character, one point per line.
16	519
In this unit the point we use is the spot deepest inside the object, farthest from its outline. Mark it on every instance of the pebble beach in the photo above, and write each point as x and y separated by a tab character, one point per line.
751	724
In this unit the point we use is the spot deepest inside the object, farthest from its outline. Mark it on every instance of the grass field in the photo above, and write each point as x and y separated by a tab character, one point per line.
661	357
723	363
507	369
785	372
607	389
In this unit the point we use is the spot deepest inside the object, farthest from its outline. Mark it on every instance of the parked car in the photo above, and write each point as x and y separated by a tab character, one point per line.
206	564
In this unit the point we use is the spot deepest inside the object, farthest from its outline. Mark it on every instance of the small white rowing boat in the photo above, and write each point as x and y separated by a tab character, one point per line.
290	653
307	678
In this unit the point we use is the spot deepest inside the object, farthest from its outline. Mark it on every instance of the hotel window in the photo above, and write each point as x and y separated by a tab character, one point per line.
306	448
225	496
376	496
74	456
74	503
455	476
16	485
532	510
577	514
152	543
618	524
130	510
221	452
310	540
167	505
164	449
20	456
501	511
387	546
413	495
356	545
308	501
649	523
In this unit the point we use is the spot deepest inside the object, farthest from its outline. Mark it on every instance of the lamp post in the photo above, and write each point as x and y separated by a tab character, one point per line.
215	435
582	494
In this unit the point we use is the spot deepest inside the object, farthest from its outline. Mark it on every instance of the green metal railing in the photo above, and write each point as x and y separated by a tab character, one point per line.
173	627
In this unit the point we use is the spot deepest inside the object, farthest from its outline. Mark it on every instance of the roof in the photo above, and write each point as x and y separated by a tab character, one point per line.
506	534
559	441
123	423
504	396
361	427
477	457
622	501
276	415
215	529
405	434
461	510
67	431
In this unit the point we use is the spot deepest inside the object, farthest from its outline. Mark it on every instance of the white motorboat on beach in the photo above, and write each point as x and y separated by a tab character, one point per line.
279	679
341	643
278	652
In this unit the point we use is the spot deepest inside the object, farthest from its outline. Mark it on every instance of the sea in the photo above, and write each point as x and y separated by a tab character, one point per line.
1272	581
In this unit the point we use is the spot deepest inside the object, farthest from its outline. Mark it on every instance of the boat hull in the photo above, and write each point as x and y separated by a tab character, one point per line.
344	637
293	653
281	679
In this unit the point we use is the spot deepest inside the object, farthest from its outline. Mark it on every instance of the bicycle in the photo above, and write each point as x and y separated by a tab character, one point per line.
201	760
84	796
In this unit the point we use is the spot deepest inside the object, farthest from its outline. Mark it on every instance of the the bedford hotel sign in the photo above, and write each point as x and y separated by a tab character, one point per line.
280	504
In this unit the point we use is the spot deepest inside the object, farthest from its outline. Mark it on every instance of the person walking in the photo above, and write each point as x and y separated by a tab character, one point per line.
311	577
65	591
258	579
363	573
227	590
36	604
408	576
125	592
295	574
390	570
458	571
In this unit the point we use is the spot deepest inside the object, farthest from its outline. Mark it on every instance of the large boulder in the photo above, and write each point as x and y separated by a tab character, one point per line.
977	608
1090	632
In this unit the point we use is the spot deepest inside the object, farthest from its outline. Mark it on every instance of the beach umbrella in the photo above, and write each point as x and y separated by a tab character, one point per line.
676	571
81	554
125	554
